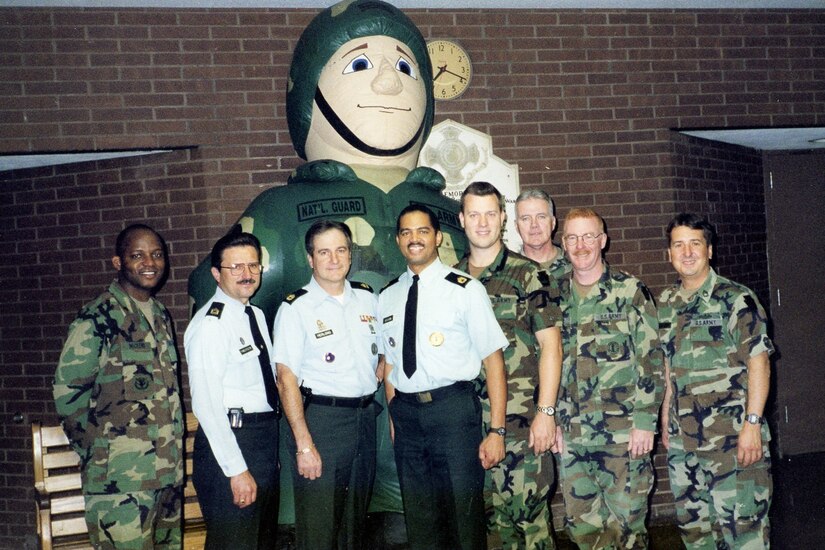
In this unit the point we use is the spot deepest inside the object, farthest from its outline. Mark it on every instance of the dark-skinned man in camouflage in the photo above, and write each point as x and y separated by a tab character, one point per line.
517	490
714	334
116	391
611	389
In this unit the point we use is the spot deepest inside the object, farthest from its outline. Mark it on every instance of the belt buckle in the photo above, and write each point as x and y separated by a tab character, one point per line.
424	397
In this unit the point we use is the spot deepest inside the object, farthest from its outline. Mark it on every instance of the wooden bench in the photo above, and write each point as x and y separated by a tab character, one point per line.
59	500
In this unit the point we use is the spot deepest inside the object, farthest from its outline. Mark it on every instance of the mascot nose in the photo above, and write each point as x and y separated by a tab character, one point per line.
387	81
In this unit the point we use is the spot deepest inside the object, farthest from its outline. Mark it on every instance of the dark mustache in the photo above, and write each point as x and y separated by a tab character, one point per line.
246	281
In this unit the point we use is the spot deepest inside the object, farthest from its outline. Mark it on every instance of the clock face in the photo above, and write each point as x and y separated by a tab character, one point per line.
452	69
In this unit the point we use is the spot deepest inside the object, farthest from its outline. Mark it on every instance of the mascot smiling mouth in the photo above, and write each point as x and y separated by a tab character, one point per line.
350	137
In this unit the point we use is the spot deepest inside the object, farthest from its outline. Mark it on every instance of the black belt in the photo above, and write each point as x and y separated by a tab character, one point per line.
254	418
348	402
436	394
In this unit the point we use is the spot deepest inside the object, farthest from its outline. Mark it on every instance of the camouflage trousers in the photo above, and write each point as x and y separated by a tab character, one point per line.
720	506
143	520
605	495
516	496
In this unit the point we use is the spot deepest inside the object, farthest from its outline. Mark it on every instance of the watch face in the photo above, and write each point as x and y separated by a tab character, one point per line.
452	69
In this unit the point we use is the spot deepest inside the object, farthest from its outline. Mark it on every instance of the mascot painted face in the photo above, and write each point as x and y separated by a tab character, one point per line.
360	86
359	108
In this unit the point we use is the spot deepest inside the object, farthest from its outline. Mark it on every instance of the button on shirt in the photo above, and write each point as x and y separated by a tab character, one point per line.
224	373
332	347
456	328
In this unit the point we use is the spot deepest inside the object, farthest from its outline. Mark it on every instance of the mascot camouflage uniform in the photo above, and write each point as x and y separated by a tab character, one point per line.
359	107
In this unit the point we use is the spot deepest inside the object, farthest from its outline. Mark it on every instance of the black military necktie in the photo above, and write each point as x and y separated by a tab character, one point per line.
263	358
410	313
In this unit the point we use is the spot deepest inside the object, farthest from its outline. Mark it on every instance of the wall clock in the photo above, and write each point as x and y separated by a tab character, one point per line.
452	69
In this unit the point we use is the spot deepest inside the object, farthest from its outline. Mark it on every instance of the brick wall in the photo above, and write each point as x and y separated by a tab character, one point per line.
584	102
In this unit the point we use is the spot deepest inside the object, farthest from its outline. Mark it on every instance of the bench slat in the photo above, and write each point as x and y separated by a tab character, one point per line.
58	481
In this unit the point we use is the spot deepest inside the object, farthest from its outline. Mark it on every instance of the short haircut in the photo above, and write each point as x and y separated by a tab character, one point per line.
235	237
584	213
528	194
125	236
322	226
482	189
415	207
693	221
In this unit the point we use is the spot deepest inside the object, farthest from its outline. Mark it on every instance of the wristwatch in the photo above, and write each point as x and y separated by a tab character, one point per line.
500	431
549	410
753	418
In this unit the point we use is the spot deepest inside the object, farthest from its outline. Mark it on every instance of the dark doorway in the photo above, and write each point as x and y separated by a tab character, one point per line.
795	201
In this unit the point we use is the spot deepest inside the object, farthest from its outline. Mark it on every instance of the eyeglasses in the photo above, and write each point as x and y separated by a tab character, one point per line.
587	238
237	269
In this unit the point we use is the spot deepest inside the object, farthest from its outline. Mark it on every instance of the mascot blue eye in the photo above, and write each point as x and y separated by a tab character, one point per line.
360	63
403	66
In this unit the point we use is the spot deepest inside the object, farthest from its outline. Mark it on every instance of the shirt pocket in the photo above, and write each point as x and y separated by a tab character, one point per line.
139	381
244	365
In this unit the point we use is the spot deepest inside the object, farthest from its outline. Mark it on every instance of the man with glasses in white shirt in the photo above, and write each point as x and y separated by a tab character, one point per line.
234	397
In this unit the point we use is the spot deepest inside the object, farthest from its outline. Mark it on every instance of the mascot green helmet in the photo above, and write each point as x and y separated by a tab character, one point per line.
330	30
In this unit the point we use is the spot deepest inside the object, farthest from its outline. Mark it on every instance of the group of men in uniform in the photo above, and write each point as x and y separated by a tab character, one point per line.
487	367
573	363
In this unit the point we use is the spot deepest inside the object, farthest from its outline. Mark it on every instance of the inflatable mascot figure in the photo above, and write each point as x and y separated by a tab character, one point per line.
359	108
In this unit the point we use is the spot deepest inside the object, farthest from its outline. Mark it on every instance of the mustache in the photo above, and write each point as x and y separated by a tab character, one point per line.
247	282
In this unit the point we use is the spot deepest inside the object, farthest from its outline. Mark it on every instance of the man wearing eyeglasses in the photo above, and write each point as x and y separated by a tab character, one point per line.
234	397
327	350
610	393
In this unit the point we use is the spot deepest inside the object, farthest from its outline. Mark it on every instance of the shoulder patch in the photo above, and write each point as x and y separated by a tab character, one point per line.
361	286
215	310
292	296
388	285
460	280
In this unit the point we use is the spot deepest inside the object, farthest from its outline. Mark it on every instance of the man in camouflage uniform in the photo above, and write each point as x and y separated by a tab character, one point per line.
535	223
718	372
518	488
611	389
116	391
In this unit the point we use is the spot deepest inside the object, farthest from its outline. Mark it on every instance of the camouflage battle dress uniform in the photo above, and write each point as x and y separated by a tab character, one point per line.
708	340
517	489
116	391
611	382
559	266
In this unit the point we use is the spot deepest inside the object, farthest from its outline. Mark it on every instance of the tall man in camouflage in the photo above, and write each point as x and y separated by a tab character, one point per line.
518	488
718	373
535	223
116	391
610	393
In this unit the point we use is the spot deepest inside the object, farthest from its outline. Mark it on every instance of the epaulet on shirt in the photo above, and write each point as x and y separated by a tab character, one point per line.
388	285
460	280
292	296
361	286
215	310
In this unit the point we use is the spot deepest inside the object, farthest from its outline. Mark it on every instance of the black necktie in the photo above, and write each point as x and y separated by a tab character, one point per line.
410	313
263	358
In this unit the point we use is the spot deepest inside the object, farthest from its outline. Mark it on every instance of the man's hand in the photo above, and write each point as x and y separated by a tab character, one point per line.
559	446
491	451
309	462
542	436
749	447
244	489
641	442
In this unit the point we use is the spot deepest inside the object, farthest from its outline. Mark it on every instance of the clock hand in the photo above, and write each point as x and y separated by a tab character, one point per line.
454	74
441	71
